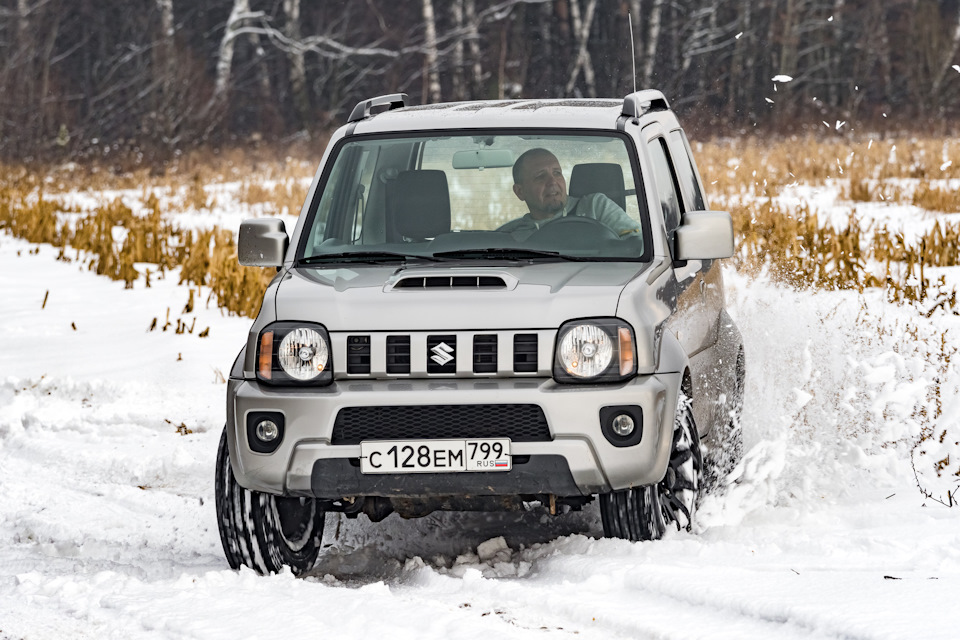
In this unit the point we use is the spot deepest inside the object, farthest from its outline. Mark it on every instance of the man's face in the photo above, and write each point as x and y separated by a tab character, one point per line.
542	186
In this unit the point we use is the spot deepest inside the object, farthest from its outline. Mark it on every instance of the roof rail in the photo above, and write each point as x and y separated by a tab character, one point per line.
640	102
362	110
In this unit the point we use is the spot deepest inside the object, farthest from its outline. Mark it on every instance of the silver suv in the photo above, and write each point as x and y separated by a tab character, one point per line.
484	306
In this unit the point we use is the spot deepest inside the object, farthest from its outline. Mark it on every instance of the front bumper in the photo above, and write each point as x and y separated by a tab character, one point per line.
577	460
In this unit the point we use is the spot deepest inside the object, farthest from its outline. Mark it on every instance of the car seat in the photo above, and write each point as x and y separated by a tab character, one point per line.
599	177
418	205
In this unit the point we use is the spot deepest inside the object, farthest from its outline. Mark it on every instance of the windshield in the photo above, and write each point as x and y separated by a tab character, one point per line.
478	196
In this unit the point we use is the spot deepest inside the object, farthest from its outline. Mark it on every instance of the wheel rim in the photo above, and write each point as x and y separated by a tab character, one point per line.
295	520
678	492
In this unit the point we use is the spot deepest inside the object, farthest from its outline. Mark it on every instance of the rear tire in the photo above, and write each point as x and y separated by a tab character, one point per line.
645	513
263	531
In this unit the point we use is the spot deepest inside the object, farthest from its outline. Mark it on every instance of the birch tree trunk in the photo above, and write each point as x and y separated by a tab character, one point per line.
225	57
431	90
473	42
456	10
295	57
165	70
656	14
547	38
945	65
581	31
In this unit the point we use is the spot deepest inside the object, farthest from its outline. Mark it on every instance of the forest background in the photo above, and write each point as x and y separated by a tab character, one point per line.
143	80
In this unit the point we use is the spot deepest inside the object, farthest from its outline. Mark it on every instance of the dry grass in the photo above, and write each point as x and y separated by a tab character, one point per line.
934	198
761	168
798	249
279	197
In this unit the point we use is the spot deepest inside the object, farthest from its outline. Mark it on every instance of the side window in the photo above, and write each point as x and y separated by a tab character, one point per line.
686	173
341	209
666	186
367	164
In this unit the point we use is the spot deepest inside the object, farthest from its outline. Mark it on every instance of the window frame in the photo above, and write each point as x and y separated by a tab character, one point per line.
661	140
629	142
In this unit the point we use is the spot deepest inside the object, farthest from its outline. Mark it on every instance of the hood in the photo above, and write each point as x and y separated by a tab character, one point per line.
445	297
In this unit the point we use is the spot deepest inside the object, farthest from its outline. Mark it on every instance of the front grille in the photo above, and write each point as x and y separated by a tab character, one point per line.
518	422
398	354
504	353
525	352
485	354
358	354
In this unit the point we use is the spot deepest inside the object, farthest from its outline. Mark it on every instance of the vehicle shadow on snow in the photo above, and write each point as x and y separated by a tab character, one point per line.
361	550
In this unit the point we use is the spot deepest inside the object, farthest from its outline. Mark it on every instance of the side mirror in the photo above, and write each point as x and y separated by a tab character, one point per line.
704	235
263	242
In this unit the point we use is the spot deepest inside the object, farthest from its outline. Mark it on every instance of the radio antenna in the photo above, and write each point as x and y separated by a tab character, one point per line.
633	53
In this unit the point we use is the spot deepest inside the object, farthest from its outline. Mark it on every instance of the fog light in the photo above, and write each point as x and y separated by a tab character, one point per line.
264	431
623	425
267	431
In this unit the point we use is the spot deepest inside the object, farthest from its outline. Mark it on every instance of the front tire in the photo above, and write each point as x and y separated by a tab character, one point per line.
263	531
645	513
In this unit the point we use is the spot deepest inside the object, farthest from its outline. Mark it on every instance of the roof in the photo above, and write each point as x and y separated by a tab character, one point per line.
598	113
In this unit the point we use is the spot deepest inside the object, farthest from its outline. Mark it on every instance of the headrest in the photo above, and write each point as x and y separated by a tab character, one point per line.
419	204
599	177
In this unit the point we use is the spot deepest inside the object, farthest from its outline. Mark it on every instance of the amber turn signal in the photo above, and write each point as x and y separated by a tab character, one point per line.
627	360
265	365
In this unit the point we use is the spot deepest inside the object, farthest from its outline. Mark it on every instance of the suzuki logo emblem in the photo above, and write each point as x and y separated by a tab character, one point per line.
442	354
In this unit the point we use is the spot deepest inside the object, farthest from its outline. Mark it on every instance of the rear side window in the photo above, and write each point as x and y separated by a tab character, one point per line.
686	174
666	186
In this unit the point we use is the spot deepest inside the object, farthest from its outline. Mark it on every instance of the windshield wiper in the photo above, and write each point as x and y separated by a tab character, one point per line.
504	253
371	257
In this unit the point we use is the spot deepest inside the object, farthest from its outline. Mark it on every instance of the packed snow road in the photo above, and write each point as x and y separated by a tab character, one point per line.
109	430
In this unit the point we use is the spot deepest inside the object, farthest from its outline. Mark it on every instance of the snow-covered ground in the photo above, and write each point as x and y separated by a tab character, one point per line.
109	430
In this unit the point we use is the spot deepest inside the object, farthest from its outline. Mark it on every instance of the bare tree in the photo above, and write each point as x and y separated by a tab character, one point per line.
581	30
76	76
740	82
431	90
165	70
653	38
239	14
945	66
456	12
473	41
295	56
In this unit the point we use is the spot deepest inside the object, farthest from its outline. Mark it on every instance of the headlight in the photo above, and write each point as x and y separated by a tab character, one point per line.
595	350
294	353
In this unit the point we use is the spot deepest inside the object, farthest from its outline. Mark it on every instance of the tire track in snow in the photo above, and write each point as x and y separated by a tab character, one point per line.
600	597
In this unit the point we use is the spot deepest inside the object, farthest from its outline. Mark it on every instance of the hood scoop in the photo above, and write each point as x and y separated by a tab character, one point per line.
451	282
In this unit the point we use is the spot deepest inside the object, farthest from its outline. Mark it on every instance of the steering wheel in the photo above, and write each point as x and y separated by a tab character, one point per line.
584	230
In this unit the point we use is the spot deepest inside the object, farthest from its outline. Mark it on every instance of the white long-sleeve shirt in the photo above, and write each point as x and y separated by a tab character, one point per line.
594	205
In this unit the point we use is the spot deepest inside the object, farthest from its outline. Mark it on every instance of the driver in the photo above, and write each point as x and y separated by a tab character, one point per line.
538	182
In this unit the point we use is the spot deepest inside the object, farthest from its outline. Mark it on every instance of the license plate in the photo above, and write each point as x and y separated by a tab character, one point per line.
435	456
